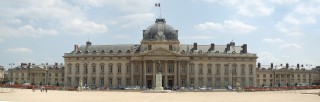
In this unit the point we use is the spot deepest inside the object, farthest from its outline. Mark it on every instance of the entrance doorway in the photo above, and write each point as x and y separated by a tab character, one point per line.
170	84
149	84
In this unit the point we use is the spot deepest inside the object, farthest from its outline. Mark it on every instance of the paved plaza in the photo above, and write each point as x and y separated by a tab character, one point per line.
26	95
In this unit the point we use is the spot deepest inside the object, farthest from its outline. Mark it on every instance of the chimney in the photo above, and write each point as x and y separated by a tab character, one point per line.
75	48
194	47
212	47
287	65
259	65
298	65
271	65
244	48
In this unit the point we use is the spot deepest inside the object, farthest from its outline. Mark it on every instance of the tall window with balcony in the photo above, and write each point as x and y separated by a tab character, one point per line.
200	69
101	81
170	67
226	69
119	69
119	81
209	70
128	69
110	69
85	69
218	68
191	68
110	81
149	68
77	69
69	69
102	69
94	69
243	69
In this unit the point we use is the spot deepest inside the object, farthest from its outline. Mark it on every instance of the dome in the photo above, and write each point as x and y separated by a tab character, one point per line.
160	31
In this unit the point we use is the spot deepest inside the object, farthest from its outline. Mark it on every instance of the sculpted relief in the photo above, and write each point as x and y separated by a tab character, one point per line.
159	52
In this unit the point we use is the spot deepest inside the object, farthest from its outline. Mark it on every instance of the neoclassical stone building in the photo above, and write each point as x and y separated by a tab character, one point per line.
37	74
160	51
285	75
1	74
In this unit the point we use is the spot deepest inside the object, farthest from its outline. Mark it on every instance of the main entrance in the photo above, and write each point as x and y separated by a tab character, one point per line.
149	84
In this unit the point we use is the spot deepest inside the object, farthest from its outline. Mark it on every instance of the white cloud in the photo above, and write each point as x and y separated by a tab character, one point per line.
78	26
20	50
270	40
2	40
290	46
227	26
299	20
26	30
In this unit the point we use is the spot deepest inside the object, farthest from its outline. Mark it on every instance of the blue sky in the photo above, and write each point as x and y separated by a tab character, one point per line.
41	31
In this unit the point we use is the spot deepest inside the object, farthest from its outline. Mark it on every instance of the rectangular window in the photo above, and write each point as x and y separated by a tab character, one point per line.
209	81
69	81
191	81
137	69
191	69
119	81
77	81
149	47
110	81
183	69
128	81
101	81
183	82
119	69
200	70
149	69
110	69
170	47
93	69
93	80
128	69
69	69
56	74
77	69
102	69
226	69
137	81
218	69
170	68
85	69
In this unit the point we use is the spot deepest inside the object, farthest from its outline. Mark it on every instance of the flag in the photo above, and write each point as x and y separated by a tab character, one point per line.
157	4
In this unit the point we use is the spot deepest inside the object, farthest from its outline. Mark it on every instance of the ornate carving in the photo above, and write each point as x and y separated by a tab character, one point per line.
159	52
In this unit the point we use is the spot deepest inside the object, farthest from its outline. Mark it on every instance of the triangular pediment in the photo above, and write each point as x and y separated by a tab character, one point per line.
160	52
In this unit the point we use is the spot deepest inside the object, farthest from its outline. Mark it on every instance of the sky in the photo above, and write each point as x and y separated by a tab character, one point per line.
278	31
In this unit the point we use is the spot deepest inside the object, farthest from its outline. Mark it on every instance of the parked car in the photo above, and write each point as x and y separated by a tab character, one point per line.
203	88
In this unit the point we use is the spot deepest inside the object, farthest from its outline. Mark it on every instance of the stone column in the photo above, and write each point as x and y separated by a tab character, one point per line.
144	73
188	73
154	73
178	73
280	80
131	70
175	73
165	73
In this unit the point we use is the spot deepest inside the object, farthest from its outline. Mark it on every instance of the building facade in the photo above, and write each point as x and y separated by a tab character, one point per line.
160	51
37	74
1	74
285	76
